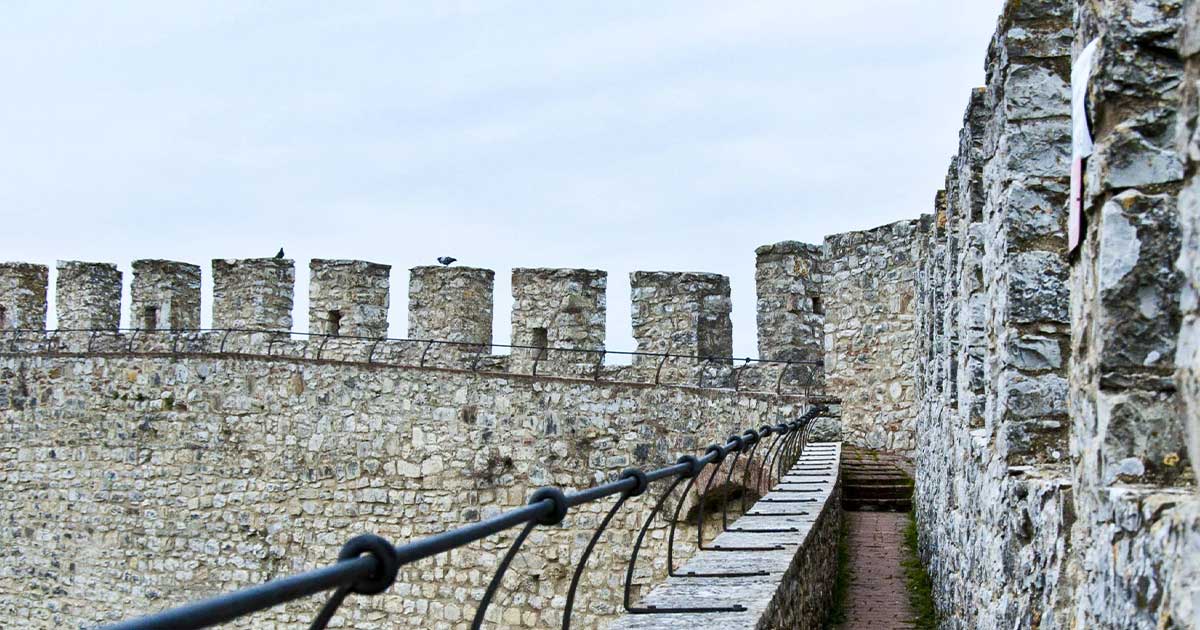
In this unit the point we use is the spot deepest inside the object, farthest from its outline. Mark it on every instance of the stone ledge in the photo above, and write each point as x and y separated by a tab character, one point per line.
798	590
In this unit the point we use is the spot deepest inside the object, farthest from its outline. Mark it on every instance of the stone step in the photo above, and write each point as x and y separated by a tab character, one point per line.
876	505
876	480
878	491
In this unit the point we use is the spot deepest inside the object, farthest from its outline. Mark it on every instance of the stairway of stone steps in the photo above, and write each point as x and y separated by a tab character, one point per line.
876	490
875	482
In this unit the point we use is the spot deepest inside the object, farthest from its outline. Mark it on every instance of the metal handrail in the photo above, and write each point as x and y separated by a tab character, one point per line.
469	344
800	382
368	564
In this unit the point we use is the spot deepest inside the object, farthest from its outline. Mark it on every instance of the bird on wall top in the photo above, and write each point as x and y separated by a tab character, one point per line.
280	254
446	260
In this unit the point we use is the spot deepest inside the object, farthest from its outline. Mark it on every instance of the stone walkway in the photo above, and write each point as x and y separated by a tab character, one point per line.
878	599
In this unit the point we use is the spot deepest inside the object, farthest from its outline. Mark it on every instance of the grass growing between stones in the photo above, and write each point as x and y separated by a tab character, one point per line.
920	587
841	583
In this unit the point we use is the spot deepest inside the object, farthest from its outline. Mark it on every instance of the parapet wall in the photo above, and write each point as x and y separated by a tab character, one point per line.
558	315
135	482
1054	484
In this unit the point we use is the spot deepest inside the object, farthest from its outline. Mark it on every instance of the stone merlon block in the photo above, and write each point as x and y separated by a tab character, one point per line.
253	293
791	316
450	304
166	295
348	297
559	308
88	295
682	313
23	295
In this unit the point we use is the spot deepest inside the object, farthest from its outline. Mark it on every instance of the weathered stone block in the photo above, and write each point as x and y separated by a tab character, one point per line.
348	298
1034	91
1038	147
1035	352
451	304
23	296
1140	438
1035	219
1139	286
1038	287
165	295
1124	158
253	293
88	296
791	310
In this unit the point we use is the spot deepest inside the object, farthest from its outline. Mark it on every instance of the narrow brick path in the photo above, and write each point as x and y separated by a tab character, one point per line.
878	599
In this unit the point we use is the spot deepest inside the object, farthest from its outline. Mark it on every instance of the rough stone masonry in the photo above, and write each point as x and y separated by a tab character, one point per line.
1048	394
153	466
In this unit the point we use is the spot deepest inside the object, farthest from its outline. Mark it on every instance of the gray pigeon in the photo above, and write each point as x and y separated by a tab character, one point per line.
280	254
446	260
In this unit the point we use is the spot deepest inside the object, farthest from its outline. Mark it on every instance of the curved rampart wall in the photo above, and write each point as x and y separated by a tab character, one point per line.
133	482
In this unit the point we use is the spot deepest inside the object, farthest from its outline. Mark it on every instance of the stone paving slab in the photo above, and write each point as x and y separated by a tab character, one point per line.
755	593
878	596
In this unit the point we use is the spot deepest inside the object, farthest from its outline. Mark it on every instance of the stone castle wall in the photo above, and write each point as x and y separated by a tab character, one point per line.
138	482
1054	484
869	292
147	468
1048	394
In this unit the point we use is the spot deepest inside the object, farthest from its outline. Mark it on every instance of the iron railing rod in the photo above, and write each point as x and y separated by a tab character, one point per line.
222	608
368	564
444	342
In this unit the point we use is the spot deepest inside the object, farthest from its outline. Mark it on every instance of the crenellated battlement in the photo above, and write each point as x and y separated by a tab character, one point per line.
558	314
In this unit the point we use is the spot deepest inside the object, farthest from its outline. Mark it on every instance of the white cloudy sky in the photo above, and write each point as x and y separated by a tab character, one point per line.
619	135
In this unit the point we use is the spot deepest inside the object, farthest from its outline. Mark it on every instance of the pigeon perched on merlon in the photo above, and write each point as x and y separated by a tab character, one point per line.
280	254
446	260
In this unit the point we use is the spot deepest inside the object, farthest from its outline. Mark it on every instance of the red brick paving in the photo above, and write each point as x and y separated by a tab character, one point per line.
878	599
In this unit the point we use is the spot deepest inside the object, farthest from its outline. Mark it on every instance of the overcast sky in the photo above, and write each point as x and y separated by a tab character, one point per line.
674	135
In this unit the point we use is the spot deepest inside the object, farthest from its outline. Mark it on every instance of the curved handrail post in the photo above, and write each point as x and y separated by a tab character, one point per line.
425	352
643	484
637	545
477	622
779	381
599	365
658	370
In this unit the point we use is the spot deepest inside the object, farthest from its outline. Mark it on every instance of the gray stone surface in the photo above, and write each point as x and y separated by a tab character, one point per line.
791	311
681	313
557	309
451	304
156	479
1049	490
253	293
23	295
870	290
1187	359
798	589
1050	402
348	297
87	296
165	295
